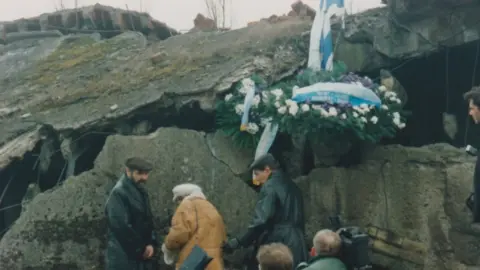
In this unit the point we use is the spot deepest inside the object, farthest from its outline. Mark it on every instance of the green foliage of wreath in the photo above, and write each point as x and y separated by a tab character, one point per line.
327	122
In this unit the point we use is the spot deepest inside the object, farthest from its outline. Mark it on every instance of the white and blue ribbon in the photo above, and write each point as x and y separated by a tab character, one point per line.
321	43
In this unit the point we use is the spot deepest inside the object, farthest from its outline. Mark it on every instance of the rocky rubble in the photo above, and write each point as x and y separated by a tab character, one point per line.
56	91
105	20
416	192
80	83
65	227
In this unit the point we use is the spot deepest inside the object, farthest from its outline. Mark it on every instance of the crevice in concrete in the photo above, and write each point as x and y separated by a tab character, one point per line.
385	196
214	155
434	90
59	154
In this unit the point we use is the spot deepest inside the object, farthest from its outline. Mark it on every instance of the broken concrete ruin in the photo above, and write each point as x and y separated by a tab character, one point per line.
416	192
105	20
62	96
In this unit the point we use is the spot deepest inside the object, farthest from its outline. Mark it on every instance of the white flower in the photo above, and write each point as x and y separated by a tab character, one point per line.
252	128
390	94
242	90
282	110
290	102
293	110
396	121
277	104
265	121
277	93
322	111
397	100
239	109
305	108
264	95
384	107
363	119
382	88
228	97
374	119
256	101
332	111
355	114
248	83
396	115
362	109
343	116
401	126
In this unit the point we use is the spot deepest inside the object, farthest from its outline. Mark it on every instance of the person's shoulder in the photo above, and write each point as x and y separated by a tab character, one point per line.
333	263
186	205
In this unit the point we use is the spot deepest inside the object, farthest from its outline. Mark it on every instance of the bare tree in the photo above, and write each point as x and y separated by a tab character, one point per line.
217	12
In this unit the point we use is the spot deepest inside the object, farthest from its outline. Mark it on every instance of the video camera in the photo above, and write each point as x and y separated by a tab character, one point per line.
355	246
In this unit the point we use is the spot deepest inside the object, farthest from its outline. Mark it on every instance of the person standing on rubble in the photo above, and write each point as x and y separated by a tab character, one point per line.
196	222
131	237
279	214
473	99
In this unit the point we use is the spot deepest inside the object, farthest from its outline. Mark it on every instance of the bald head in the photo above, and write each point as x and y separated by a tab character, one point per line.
327	242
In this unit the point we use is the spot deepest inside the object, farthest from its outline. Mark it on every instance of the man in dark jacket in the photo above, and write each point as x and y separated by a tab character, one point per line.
279	214
473	99
131	237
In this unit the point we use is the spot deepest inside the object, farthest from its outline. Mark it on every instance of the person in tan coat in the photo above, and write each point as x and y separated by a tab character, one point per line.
196	221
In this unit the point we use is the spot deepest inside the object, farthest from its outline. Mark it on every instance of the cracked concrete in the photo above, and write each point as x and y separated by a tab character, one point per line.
417	193
179	155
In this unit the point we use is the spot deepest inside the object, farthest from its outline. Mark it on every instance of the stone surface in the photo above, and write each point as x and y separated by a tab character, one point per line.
411	9
202	23
65	227
106	20
376	38
72	82
418	193
301	9
55	80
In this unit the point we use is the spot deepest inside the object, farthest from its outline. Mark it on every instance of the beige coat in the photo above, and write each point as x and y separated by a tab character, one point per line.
184	234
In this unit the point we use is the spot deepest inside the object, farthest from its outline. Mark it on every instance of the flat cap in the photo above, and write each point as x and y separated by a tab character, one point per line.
138	164
263	161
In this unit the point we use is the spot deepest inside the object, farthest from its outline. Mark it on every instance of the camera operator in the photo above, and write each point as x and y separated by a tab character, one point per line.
326	248
473	99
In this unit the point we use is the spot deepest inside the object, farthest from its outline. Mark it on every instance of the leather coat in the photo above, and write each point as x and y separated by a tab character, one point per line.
130	226
279	217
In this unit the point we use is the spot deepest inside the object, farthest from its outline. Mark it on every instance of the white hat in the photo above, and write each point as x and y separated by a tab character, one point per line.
184	190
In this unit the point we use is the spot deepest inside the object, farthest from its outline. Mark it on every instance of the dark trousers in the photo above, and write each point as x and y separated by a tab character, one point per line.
250	261
476	201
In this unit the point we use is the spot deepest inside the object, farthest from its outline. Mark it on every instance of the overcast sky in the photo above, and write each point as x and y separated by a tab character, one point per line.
178	14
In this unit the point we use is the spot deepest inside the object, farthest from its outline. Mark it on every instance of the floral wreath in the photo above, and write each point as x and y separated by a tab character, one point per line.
328	122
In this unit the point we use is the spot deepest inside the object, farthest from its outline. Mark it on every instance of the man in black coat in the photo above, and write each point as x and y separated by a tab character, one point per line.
473	99
131	237
279	215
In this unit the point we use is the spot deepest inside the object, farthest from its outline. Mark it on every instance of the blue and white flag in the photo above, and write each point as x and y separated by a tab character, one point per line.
321	43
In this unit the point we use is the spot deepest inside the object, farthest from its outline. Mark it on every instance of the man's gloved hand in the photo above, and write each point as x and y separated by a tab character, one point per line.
231	245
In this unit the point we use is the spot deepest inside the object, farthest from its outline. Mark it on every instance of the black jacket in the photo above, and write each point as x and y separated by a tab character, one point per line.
279	217
476	188
130	226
